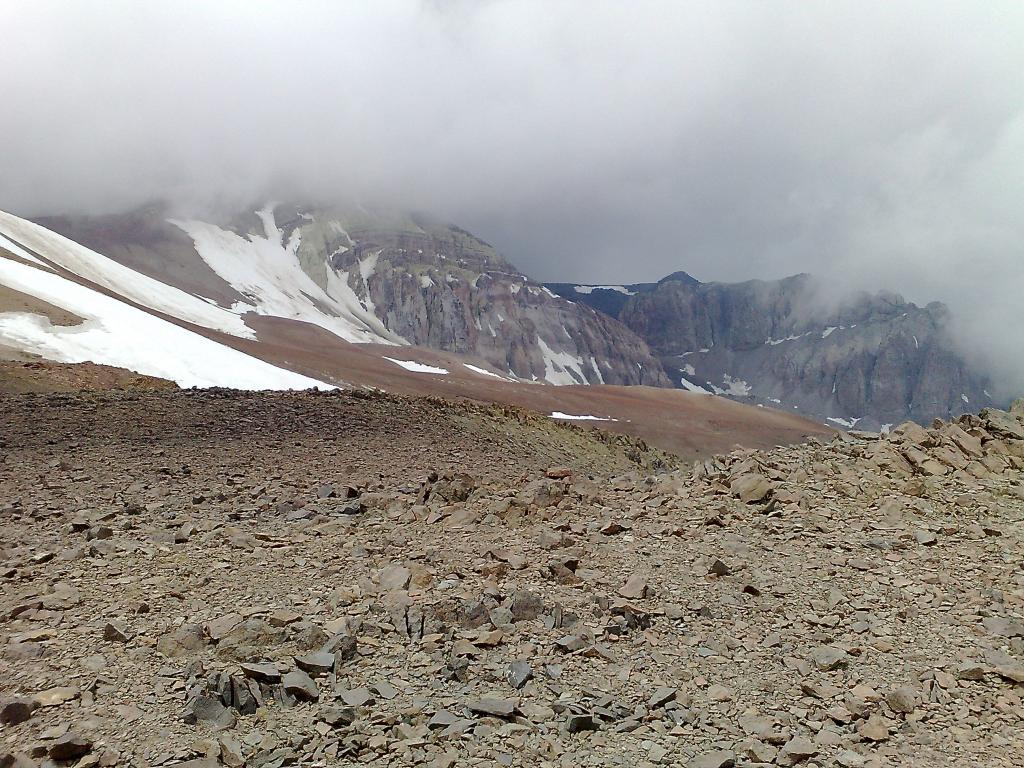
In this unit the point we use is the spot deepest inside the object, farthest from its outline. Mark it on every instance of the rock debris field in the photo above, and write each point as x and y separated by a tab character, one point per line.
216	578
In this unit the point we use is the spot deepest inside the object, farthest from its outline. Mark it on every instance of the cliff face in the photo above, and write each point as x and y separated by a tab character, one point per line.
436	285
874	359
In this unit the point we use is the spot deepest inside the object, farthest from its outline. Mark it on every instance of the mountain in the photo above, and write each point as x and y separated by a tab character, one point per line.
868	361
377	276
291	298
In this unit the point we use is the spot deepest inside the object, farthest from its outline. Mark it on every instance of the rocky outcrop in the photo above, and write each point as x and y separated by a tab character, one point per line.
870	360
436	285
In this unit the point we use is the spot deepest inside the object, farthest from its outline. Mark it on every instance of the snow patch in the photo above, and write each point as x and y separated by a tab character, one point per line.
411	365
848	423
559	367
121	280
483	371
689	385
119	334
689	370
732	387
266	271
570	417
588	289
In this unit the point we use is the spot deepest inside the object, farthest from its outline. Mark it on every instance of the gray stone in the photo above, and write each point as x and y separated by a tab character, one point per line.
493	707
300	685
264	672
518	673
70	746
316	663
718	759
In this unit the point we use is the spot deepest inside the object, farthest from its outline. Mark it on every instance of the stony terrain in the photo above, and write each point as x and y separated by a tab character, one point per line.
862	360
215	578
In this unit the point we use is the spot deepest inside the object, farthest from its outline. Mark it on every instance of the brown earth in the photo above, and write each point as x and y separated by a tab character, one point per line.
22	376
16	301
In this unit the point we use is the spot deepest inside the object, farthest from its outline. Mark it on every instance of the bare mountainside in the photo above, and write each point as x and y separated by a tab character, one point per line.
394	277
865	360
215	578
206	305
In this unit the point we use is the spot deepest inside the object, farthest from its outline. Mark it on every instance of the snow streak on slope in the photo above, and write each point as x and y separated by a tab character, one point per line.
561	368
118	334
119	279
412	365
267	271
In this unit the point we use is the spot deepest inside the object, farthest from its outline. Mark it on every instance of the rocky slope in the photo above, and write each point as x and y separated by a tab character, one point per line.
392	277
869	360
255	592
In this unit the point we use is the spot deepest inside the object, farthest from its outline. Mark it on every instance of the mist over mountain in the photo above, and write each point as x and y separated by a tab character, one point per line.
873	145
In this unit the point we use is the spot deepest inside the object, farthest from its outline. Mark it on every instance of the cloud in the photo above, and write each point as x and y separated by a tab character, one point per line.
878	144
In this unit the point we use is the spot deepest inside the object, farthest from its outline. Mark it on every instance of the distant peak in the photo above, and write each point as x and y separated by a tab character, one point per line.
680	277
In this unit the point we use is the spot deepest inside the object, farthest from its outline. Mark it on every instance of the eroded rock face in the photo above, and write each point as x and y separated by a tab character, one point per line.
872	360
438	286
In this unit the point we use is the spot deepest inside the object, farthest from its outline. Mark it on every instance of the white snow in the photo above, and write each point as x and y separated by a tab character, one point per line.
964	398
588	289
549	292
692	387
483	371
559	367
828	331
732	387
917	344
266	271
415	367
689	370
368	266
569	416
848	423
119	334
17	250
121	280
597	371
426	282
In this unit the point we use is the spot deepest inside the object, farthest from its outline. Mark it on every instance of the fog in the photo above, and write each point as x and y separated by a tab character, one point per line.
877	144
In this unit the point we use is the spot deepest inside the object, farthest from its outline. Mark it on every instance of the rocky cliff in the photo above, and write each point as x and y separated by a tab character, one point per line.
866	361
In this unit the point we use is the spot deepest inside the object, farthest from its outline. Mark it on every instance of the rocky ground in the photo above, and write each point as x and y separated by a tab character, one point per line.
333	579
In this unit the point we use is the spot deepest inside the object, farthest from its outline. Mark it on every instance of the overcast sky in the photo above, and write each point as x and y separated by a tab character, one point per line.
878	143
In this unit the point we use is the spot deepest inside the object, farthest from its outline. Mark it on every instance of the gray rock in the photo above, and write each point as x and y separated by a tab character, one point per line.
493	707
797	750
338	717
16	709
582	722
206	709
518	673
300	685
721	758
316	663
394	577
264	672
357	697
70	746
828	658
